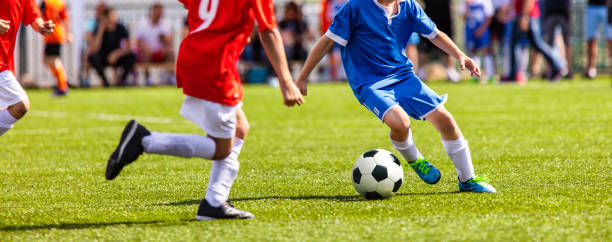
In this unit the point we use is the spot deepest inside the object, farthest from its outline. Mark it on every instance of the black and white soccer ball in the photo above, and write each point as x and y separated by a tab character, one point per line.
377	174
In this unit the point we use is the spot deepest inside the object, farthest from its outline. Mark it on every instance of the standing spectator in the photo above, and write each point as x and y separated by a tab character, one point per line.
329	10
498	29
154	39
294	31
478	15
527	26
556	17
111	47
595	17
440	13
55	10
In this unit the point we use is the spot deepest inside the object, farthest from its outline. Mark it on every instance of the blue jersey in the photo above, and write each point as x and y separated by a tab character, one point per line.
477	12
373	42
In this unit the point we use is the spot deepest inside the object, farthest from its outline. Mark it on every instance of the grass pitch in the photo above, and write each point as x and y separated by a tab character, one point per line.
545	147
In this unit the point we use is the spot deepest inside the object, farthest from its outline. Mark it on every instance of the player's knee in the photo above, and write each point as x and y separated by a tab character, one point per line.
20	109
398	123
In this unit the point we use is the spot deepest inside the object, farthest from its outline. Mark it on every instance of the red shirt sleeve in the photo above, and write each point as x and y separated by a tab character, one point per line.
264	14
30	12
63	14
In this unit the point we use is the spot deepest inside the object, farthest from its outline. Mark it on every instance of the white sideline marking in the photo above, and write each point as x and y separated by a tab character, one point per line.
105	116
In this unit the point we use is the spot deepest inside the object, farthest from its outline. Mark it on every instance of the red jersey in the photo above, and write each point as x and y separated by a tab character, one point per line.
535	11
219	29
55	10
15	11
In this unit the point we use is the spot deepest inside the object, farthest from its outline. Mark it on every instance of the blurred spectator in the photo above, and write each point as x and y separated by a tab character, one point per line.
498	28
478	15
610	34
111	47
90	33
329	10
295	32
55	10
595	18
527	26
440	12
556	18
154	40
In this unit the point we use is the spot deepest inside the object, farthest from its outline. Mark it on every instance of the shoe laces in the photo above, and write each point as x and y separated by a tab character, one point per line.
479	180
421	165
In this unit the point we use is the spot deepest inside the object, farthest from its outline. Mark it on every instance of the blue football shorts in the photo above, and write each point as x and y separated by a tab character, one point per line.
416	98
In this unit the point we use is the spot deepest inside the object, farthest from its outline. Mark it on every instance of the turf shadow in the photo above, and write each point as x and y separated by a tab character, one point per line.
75	226
337	198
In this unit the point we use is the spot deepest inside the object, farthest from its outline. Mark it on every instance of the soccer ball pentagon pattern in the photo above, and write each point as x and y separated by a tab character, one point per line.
377	174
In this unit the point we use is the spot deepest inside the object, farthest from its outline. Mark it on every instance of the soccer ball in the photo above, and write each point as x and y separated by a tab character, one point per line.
377	174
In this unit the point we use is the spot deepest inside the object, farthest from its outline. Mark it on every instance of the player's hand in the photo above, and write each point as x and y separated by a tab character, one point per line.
303	86
5	26
291	95
467	63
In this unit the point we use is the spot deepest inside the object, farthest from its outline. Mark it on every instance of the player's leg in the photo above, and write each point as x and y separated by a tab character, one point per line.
14	98
222	175
217	120
458	151
535	37
54	62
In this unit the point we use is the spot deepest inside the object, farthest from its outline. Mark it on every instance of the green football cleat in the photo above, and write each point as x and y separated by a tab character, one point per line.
477	184
426	171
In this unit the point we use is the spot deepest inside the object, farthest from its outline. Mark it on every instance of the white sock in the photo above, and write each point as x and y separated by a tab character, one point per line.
407	148
489	66
222	175
459	152
6	121
182	145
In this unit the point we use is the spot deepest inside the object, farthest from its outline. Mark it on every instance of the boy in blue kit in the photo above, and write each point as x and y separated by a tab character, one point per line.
478	15
373	35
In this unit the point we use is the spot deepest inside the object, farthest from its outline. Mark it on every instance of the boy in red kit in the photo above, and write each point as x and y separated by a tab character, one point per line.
13	100
206	71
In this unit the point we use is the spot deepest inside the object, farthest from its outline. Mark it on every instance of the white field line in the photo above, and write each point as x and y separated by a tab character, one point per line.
107	117
60	131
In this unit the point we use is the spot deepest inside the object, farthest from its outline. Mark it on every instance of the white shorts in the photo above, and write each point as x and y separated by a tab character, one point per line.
217	120
11	91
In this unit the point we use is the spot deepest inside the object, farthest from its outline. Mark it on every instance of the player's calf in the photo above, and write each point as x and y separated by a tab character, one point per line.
401	137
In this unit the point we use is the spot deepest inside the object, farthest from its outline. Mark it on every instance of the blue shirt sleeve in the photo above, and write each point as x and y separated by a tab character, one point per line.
422	23
340	29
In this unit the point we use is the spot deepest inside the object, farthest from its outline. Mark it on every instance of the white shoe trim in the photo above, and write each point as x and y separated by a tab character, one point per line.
127	140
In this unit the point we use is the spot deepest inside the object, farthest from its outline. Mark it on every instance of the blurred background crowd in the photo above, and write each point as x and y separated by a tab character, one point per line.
134	43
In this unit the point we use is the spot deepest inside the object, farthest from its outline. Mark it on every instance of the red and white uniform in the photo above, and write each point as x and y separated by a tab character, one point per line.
16	11
206	66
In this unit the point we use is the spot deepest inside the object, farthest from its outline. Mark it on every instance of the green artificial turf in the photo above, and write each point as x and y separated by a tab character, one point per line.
545	147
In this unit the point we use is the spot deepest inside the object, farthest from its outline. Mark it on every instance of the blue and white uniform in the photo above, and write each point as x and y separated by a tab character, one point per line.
477	14
373	52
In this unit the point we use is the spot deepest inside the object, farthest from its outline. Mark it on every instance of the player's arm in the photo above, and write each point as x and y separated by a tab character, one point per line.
321	48
5	26
43	27
443	42
273	44
66	25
